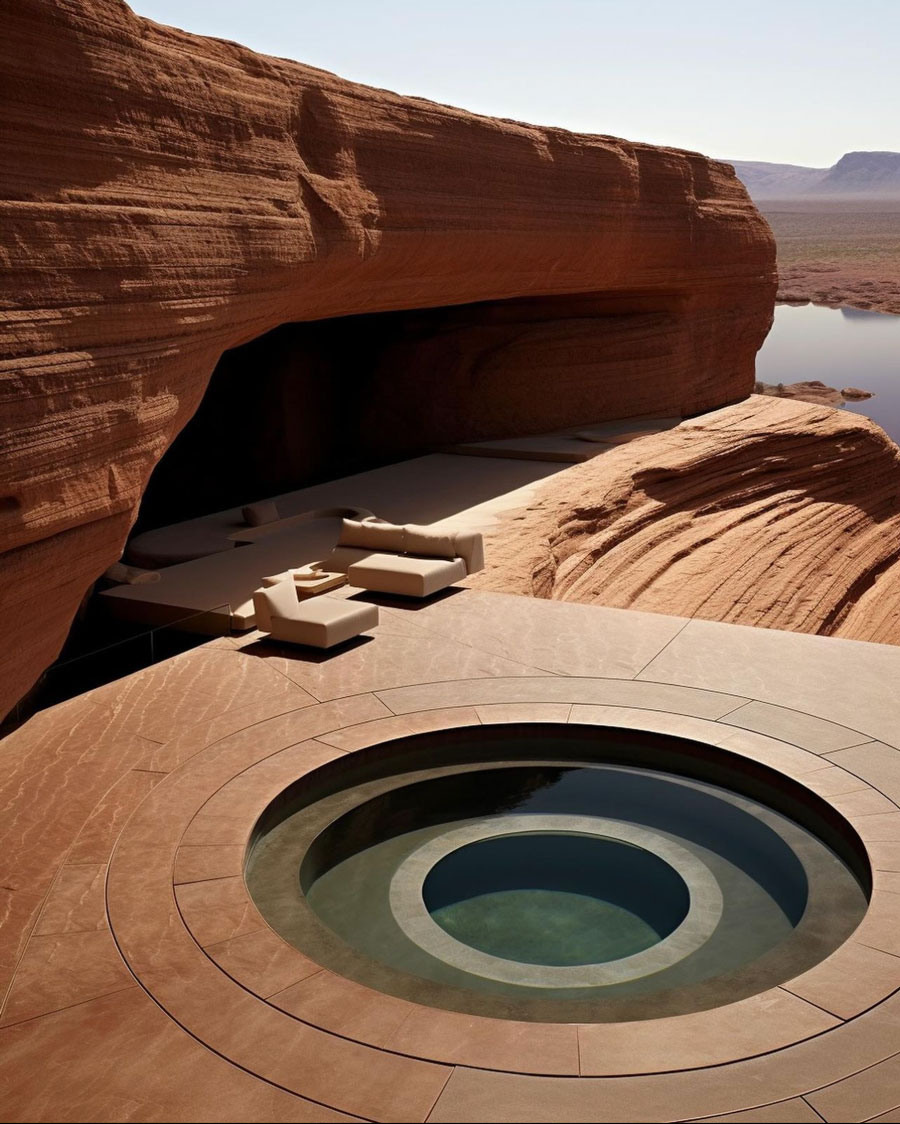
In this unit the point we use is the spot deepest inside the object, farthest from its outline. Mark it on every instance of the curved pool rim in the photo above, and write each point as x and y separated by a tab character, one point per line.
413	916
628	747
213	801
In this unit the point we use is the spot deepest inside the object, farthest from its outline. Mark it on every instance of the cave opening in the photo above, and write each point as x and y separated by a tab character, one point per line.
313	401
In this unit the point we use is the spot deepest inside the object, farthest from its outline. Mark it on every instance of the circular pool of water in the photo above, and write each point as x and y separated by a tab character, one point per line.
549	898
557	873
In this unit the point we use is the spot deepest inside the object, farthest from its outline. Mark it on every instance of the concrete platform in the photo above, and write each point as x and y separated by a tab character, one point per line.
140	983
213	594
212	564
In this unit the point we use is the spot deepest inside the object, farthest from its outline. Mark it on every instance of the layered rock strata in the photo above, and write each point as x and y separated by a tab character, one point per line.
772	512
168	197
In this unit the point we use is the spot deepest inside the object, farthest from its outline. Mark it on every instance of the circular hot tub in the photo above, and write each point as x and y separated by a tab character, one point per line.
555	901
558	873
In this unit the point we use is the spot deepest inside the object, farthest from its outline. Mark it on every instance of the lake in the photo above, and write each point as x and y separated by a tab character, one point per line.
840	347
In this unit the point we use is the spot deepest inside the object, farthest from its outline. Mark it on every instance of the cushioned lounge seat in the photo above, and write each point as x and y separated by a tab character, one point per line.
320	622
406	574
407	560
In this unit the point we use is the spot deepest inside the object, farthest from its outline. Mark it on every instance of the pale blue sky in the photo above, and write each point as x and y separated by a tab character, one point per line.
791	81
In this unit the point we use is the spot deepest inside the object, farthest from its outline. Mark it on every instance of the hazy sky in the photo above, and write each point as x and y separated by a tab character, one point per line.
791	81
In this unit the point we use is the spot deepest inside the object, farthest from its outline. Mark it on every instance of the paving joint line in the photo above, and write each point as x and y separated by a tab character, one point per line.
657	654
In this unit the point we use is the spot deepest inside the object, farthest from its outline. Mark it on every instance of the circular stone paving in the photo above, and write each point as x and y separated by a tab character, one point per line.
183	920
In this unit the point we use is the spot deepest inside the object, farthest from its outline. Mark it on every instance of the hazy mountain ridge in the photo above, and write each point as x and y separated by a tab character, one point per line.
856	173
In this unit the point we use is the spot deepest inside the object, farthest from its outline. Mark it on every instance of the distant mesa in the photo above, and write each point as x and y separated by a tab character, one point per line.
870	174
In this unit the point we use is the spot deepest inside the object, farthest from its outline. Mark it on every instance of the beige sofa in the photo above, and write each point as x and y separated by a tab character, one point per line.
407	560
320	622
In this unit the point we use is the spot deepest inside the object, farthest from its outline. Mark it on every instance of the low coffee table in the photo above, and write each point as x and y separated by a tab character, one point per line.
309	583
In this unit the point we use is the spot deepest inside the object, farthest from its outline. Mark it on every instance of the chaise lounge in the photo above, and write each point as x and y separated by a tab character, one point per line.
407	560
320	622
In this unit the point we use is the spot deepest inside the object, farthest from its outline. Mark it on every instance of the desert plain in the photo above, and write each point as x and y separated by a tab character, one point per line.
838	251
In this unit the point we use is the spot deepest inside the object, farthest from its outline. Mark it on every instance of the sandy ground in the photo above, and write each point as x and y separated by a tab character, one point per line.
837	251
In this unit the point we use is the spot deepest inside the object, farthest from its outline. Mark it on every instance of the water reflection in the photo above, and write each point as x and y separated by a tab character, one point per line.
810	342
870	315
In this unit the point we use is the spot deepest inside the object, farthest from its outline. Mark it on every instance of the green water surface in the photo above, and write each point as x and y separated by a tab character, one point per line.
549	927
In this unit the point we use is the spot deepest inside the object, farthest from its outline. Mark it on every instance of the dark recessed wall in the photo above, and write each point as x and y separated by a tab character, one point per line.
314	401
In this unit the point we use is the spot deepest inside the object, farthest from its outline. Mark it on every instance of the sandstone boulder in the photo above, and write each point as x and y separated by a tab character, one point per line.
813	390
771	512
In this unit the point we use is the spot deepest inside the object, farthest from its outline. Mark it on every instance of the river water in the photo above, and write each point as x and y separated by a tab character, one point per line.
839	347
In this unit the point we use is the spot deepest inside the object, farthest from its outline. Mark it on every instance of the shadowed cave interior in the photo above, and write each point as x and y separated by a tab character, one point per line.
314	401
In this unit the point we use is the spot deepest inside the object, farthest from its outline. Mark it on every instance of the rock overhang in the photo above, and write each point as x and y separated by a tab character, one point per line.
170	197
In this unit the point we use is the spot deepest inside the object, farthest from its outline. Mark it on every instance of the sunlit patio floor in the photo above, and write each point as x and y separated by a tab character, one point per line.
139	982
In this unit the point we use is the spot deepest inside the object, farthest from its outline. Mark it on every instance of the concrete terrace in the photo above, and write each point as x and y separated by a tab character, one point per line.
140	983
470	486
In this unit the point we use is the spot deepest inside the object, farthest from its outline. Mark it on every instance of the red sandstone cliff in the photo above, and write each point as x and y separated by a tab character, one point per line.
771	512
166	197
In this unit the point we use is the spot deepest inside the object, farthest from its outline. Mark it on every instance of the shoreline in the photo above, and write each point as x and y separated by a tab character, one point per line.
796	292
793	300
837	253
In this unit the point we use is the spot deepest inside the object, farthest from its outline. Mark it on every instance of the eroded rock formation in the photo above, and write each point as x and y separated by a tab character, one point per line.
167	197
813	390
772	512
